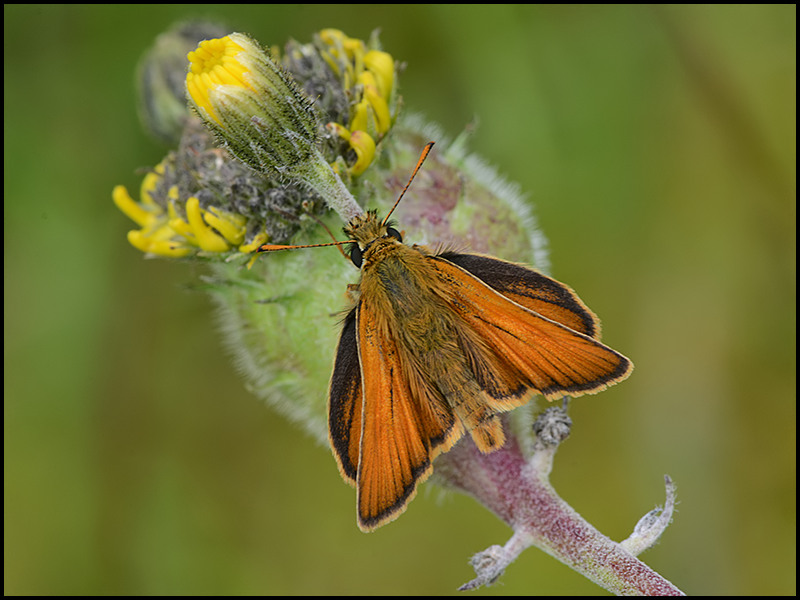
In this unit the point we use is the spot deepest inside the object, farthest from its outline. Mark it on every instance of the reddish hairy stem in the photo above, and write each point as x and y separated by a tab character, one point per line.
518	491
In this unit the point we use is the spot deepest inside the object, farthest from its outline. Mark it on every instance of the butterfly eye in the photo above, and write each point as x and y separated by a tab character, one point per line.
394	233
355	255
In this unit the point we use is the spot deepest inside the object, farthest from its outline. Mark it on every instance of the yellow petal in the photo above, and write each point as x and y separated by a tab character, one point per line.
364	146
229	225
131	209
149	183
339	130
183	229
259	240
332	36
380	110
206	238
162	247
381	64
360	116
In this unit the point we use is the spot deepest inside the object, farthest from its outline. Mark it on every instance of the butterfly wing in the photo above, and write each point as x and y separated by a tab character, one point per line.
534	349
345	400
531	289
405	425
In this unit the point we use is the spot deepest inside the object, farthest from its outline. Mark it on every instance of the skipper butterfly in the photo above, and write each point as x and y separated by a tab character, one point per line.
436	346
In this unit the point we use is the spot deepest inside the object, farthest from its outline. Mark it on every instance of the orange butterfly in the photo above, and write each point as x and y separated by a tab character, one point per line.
437	345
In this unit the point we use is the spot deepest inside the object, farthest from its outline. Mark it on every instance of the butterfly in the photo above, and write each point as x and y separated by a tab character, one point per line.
436	346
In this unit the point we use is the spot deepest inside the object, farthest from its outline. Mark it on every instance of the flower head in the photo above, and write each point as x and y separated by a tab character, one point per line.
370	76
200	199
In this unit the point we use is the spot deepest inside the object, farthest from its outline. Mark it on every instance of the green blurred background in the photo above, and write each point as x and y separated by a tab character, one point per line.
659	148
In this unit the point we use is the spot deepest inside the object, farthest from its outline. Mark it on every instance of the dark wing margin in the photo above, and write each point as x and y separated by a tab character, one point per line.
345	400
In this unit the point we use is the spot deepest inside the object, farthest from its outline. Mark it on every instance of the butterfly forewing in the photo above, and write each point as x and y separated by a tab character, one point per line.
531	289
401	433
548	356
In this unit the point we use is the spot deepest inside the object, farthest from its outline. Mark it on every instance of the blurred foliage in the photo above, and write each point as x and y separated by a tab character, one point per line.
659	148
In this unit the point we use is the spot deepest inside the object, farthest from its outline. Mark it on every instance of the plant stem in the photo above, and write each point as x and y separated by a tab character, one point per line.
519	492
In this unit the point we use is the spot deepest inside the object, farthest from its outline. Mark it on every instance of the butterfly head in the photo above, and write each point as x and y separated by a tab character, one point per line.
367	231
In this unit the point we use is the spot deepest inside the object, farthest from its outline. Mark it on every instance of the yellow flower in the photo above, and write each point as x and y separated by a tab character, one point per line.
266	121
164	232
368	75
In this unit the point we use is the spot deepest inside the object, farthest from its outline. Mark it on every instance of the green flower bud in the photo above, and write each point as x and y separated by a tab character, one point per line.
262	116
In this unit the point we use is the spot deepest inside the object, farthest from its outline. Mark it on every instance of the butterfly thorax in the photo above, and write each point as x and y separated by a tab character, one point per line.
398	278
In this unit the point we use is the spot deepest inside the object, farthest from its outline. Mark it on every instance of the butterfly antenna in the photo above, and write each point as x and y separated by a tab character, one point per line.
274	247
423	156
339	244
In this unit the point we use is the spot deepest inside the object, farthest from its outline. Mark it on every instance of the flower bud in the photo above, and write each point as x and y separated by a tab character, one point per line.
262	116
252	104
